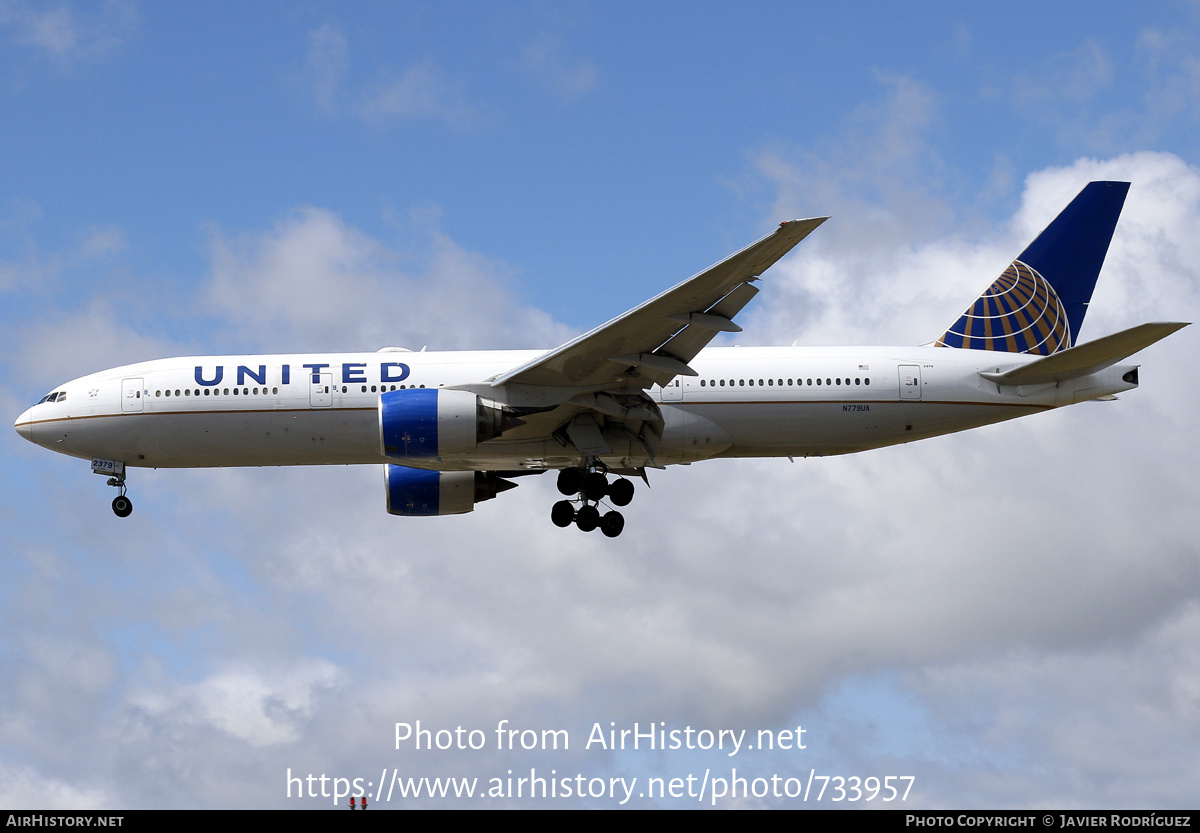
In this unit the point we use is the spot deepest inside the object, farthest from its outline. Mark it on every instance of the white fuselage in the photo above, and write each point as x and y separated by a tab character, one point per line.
299	409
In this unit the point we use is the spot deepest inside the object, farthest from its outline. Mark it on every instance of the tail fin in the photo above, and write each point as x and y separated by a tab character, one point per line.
1037	305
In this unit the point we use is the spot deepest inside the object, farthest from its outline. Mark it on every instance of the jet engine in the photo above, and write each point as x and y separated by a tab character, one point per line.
417	492
427	424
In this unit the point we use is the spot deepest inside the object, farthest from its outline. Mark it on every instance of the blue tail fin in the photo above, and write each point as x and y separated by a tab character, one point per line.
1037	305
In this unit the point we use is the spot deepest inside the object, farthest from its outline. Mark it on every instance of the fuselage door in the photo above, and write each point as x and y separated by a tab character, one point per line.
673	392
910	381
320	392
131	396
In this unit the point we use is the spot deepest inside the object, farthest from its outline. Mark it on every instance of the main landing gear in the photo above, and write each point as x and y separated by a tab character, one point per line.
591	486
122	505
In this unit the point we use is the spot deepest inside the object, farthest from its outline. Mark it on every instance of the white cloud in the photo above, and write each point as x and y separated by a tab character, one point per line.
67	35
100	337
422	91
328	62
259	709
879	167
567	76
315	282
101	242
24	788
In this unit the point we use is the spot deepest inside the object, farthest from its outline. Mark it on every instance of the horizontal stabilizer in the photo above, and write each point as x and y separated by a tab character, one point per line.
1086	359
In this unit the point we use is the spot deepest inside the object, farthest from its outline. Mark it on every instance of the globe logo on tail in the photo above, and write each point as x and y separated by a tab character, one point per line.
1019	313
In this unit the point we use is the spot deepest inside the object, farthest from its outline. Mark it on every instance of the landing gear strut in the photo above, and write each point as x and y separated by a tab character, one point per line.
590	486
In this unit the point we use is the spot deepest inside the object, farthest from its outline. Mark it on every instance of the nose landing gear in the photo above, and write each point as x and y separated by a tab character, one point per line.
122	506
591	486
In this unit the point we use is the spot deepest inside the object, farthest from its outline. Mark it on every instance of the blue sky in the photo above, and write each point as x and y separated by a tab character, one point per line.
231	178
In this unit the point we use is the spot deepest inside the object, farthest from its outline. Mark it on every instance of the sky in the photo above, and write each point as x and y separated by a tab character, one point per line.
1005	618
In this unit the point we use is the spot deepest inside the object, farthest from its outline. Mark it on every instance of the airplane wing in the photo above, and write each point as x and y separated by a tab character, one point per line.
654	342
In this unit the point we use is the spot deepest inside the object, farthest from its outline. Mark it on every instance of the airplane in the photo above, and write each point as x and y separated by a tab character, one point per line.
643	391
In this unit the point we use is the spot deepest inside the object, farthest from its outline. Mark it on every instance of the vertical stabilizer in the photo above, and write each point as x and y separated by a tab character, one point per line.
1037	305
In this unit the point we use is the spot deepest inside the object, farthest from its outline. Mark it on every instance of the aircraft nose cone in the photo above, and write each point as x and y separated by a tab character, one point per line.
24	425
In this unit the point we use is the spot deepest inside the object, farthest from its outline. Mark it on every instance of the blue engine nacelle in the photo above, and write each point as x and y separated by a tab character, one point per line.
428	424
417	492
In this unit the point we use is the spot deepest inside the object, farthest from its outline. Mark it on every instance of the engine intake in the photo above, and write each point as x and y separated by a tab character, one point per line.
428	424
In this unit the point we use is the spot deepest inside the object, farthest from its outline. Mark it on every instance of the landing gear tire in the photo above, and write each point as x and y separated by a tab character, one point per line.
621	492
569	481
612	523
595	486
590	486
562	514
587	518
122	506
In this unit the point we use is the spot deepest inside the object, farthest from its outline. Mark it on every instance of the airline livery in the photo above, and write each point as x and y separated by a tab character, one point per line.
640	392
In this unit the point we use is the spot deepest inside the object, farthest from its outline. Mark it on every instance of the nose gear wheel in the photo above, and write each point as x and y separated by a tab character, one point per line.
122	506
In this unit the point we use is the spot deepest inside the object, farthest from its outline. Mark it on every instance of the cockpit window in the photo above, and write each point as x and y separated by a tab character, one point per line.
57	396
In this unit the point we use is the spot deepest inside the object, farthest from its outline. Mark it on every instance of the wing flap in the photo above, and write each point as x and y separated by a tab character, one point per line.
689	341
1085	359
